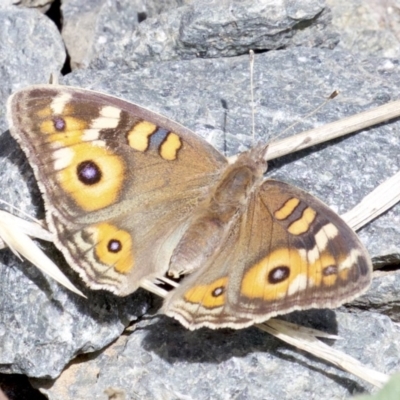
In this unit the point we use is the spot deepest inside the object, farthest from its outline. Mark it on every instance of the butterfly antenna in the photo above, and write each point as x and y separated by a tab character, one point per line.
311	113
253	124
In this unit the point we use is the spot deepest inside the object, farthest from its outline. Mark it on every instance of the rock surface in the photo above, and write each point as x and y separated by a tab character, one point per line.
368	27
104	34
43	327
162	360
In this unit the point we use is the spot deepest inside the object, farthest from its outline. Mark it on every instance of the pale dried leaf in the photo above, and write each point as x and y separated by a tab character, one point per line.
374	204
308	342
14	232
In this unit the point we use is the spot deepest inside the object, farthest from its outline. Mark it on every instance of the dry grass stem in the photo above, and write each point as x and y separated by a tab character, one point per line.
333	130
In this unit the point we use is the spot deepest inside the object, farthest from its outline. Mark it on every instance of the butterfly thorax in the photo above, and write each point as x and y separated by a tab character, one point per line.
213	218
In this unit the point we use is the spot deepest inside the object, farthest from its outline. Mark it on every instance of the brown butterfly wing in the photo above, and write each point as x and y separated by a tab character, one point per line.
287	251
119	181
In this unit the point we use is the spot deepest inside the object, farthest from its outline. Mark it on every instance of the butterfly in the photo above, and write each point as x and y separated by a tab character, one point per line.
132	195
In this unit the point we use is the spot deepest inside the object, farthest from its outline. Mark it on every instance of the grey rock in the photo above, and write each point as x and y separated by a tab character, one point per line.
383	295
43	327
30	50
367	27
7	3
93	26
152	8
102	34
40	5
162	360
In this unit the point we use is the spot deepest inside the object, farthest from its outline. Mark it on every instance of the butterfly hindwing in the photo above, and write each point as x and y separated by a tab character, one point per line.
289	252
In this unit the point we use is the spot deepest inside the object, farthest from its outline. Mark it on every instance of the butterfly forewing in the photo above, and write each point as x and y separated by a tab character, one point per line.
119	181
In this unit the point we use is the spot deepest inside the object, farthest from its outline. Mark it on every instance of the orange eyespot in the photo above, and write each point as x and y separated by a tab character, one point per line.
114	247
91	175
209	296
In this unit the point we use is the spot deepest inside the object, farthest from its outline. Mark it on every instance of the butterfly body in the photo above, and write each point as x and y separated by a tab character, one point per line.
212	220
131	195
